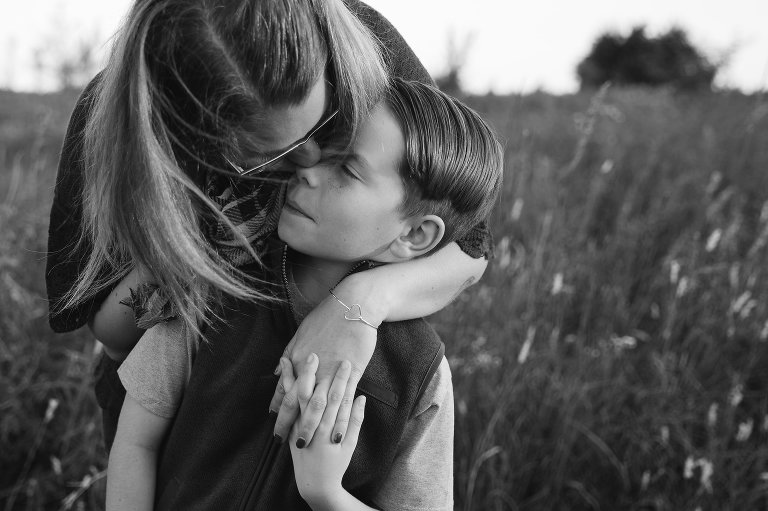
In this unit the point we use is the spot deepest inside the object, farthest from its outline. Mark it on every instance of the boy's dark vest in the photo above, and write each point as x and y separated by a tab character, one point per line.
220	452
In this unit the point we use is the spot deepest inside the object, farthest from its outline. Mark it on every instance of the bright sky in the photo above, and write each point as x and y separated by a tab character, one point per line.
511	45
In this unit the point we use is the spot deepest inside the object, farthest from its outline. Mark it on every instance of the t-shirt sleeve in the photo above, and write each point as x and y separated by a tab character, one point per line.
158	367
65	258
421	477
478	242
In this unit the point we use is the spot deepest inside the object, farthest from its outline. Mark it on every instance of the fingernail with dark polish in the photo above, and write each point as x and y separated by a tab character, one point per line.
337	438
272	413
278	438
300	443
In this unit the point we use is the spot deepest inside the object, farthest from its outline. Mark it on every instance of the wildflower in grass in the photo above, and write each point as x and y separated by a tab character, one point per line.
461	407
505	256
606	167
517	210
713	240
526	349
484	295
706	469
682	287
53	404
485	361
745	430
664	431
645	480
56	465
764	477
712	415
674	271
747	309
557	284
714	182
733	275
764	333
690	464
736	395
624	342
740	302
554	336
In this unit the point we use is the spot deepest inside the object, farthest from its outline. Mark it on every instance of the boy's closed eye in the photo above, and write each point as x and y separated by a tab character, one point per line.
348	171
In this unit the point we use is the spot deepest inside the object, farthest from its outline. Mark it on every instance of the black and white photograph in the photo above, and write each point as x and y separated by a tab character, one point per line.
423	255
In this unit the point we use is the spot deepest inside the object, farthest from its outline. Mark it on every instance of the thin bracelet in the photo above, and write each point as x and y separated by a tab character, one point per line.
354	313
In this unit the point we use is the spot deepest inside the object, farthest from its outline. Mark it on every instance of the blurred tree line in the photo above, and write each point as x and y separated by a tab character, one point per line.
637	59
669	59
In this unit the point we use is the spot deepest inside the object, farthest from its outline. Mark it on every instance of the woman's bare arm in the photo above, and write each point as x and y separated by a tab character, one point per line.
416	288
114	324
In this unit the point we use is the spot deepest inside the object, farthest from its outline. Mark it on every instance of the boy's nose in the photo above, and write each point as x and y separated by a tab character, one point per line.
308	175
307	154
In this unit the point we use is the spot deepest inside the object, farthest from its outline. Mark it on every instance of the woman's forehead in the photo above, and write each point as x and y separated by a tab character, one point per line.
282	125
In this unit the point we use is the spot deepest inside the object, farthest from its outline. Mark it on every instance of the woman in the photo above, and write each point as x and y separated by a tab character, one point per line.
195	93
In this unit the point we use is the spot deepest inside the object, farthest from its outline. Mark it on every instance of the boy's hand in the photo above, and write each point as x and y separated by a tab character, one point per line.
320	464
312	400
325	332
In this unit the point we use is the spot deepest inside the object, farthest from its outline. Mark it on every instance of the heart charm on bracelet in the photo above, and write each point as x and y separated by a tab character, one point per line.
354	313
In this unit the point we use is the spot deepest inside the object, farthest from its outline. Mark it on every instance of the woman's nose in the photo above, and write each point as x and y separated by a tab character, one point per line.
306	155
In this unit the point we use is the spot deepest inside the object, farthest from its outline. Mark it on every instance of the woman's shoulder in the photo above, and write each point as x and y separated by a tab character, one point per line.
400	58
71	151
85	101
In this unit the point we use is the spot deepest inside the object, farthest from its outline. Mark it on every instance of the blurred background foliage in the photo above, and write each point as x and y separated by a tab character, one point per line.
613	357
667	59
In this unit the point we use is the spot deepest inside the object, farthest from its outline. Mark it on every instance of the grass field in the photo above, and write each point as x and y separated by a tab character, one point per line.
614	357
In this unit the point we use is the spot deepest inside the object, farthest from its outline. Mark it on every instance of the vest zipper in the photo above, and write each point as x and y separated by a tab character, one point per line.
272	447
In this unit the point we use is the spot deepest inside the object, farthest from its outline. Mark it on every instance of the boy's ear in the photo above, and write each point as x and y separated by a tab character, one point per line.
420	236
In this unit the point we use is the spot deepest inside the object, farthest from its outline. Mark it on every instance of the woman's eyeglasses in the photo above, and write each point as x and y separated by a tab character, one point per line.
261	167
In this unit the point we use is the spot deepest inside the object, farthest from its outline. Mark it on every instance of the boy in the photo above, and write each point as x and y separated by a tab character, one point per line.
422	171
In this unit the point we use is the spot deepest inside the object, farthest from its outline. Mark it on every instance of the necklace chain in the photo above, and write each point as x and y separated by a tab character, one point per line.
284	266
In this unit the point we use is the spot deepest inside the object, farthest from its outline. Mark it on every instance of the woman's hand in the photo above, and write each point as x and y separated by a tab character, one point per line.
320	462
326	333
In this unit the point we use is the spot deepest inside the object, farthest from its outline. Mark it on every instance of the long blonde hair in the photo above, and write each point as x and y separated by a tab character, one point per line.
186	82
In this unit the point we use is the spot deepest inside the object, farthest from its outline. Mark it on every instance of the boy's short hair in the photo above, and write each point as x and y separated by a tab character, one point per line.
452	165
